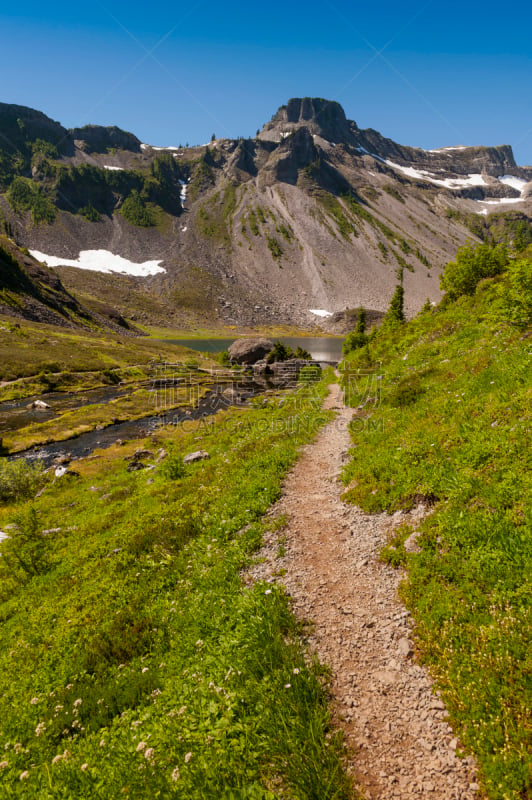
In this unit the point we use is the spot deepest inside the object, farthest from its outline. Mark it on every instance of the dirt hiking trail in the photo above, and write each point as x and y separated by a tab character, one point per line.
399	744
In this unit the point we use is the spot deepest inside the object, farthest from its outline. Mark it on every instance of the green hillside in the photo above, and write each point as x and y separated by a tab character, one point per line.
135	660
444	419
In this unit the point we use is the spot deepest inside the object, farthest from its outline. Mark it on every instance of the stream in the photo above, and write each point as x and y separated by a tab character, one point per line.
15	414
220	397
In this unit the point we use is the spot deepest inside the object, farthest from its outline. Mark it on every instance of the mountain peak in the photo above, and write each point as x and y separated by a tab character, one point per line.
325	118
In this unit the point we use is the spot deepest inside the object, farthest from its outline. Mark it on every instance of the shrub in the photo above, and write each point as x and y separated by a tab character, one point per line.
173	467
20	195
20	479
23	196
407	391
280	352
274	247
90	213
473	263
135	212
300	352
42	209
516	293
27	550
357	338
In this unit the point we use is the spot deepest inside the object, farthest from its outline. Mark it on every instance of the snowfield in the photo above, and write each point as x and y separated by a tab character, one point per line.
515	183
101	261
460	182
320	312
450	183
152	147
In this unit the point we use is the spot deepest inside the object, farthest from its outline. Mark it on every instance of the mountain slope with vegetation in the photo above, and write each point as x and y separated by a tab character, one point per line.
30	291
311	214
443	418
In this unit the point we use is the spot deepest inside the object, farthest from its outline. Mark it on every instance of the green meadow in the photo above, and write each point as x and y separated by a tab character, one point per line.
443	418
136	659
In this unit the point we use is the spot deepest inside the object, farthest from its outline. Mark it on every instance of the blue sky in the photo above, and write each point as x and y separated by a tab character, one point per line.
423	73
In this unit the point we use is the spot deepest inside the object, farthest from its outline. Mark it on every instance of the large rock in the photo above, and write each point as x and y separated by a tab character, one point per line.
249	351
199	455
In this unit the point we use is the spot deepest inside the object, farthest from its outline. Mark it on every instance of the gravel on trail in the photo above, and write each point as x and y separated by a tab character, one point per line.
398	742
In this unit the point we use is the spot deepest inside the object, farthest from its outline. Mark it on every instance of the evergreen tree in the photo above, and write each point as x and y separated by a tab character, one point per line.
396	311
357	338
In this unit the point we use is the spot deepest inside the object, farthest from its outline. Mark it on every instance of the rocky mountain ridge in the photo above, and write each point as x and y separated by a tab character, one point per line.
310	218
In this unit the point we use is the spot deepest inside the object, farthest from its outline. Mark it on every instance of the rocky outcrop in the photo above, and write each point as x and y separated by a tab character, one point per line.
98	139
493	161
249	351
295	153
324	118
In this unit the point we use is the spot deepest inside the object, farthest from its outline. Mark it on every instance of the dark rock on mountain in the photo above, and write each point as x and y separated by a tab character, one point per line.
98	139
20	125
293	154
494	161
324	118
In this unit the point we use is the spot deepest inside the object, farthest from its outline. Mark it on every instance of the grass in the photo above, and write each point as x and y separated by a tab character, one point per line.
134	659
29	349
447	423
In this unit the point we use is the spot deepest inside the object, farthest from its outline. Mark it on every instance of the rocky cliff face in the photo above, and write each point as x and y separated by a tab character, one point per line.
324	118
313	217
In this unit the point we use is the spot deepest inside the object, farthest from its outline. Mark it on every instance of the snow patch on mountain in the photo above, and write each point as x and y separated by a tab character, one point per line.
320	312
475	179
101	261
448	149
152	147
515	183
